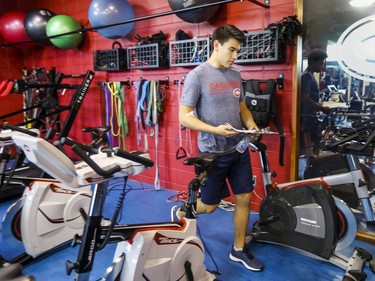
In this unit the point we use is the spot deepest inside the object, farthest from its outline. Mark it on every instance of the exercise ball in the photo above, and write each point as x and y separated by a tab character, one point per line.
35	25
195	15
12	27
61	24
105	12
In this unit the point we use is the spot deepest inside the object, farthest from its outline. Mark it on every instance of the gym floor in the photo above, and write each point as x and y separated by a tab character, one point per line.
144	204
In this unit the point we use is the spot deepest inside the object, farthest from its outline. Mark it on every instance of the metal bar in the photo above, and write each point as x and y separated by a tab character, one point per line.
266	3
82	30
76	102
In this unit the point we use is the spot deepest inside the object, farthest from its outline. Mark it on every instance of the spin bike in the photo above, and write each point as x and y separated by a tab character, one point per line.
153	251
345	145
305	216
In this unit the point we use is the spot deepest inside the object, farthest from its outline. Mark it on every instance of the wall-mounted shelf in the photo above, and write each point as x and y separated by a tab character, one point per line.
147	56
110	60
189	52
260	46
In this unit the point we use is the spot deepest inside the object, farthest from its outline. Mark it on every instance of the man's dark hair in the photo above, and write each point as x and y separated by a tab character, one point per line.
225	32
316	55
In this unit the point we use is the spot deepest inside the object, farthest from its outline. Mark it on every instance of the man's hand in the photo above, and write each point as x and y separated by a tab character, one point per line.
226	131
254	137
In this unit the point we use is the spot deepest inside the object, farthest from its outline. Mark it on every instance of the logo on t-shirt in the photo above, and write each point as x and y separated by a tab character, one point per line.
236	92
225	88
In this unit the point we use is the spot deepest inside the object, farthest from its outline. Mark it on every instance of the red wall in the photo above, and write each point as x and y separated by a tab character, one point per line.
11	64
245	15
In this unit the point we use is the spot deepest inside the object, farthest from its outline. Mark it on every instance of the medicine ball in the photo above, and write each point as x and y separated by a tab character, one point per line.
105	12
61	24
195	15
12	27
35	25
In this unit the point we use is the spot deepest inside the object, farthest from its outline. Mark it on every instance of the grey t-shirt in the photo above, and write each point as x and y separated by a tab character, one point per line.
215	94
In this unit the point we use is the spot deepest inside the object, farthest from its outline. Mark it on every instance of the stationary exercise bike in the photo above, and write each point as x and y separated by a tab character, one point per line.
154	251
305	216
6	149
46	116
47	215
345	145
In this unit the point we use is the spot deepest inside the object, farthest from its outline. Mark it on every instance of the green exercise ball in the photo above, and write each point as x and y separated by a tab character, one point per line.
61	24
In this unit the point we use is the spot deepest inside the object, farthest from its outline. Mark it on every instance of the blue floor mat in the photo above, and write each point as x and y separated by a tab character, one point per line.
144	204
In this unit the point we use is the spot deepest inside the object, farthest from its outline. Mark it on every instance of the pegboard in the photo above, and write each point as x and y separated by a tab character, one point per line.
189	52
260	46
147	56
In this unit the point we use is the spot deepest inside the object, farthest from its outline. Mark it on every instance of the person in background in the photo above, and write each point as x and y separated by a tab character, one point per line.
213	98
310	106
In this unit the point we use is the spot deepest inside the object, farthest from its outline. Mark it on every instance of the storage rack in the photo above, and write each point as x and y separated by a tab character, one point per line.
261	46
146	56
110	60
189	52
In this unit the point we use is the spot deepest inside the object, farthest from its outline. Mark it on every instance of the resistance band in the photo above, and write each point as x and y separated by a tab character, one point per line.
107	94
5	88
152	120
119	122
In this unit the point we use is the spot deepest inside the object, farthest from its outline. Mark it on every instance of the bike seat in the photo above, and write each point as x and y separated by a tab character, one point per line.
205	159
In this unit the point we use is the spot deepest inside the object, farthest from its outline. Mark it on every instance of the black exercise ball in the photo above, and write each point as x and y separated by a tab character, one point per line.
195	15
35	25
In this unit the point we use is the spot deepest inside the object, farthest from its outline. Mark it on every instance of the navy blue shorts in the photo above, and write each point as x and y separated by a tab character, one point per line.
234	167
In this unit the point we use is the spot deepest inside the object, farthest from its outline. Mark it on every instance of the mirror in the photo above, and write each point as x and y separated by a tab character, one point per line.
346	34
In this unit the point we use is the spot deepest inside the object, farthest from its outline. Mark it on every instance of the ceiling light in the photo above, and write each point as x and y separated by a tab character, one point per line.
361	3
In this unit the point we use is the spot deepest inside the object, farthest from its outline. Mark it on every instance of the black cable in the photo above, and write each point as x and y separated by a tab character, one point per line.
216	271
114	217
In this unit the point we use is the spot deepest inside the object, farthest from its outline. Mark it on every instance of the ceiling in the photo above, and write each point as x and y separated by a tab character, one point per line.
327	19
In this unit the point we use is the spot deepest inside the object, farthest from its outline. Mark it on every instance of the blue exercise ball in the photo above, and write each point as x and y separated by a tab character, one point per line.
105	12
35	25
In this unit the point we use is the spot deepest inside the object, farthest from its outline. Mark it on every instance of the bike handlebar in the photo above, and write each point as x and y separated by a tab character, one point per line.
133	156
105	173
18	129
345	145
81	149
359	148
341	142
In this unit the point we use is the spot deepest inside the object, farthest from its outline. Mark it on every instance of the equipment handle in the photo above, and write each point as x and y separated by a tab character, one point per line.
118	45
83	147
105	173
133	157
361	147
18	129
340	142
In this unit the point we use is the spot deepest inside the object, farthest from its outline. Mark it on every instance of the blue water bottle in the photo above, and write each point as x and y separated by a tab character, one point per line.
243	144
